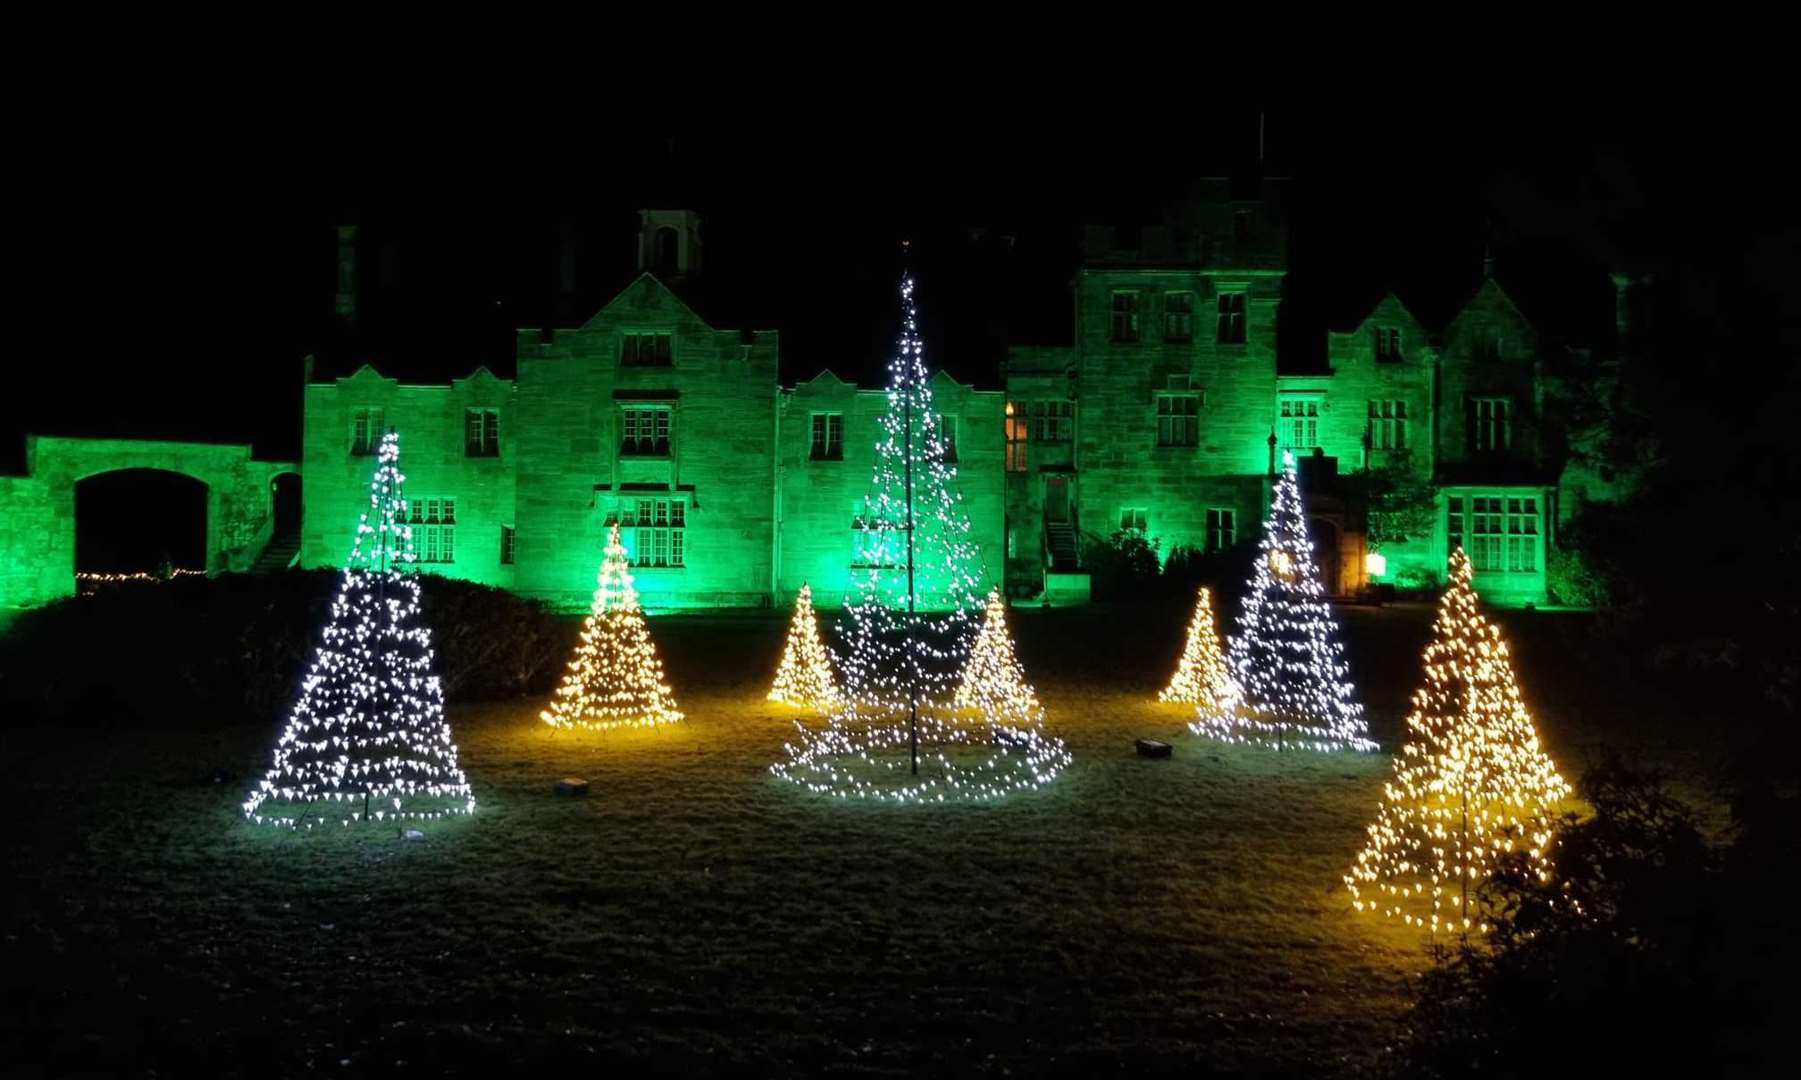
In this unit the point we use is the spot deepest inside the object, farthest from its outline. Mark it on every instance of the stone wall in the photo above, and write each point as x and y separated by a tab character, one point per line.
37	510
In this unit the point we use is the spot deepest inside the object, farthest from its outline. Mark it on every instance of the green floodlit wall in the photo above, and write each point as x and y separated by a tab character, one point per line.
37	510
429	419
819	497
762	516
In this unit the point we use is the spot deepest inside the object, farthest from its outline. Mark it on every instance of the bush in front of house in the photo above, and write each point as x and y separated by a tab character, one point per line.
231	649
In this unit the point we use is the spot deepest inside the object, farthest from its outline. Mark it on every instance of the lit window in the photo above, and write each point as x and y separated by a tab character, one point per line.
1016	427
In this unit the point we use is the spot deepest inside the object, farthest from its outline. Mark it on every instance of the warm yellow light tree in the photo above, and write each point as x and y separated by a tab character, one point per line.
994	684
805	675
615	678
1471	783
1202	678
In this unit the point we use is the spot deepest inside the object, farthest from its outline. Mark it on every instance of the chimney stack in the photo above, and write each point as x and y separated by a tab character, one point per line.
346	305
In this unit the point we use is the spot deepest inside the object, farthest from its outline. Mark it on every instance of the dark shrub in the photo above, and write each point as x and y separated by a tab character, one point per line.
1648	953
1122	568
193	652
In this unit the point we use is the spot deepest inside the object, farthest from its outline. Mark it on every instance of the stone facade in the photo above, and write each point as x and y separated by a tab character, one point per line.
648	416
1164	416
1452	423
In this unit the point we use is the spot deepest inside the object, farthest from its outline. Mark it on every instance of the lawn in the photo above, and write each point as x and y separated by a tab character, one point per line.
694	915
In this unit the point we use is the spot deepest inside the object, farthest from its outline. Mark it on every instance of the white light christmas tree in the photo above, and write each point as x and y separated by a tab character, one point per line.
367	740
994	684
907	629
614	678
805	675
1471	783
1286	659
1201	677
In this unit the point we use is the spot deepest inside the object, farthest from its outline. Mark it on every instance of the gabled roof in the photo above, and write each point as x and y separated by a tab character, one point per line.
636	283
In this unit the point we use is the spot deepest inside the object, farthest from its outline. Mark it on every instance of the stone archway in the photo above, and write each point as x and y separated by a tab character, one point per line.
37	510
138	520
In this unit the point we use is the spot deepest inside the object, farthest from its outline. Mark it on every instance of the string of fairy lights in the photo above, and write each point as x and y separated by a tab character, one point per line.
1202	678
804	677
367	740
97	578
1471	784
615	678
897	731
935	705
1294	690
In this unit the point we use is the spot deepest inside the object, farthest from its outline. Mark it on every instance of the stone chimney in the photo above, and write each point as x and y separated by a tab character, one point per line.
346	303
669	243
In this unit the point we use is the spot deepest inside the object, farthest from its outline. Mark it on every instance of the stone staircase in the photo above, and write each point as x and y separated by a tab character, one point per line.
1060	539
278	555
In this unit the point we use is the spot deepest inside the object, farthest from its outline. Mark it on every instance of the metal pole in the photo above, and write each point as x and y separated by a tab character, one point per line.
912	652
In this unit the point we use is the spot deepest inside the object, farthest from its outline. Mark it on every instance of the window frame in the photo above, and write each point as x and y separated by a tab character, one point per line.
1222	528
1172	423
825	437
660	443
1178	323
1499	420
1232	306
632	351
481	432
1125	319
1291	422
1016	430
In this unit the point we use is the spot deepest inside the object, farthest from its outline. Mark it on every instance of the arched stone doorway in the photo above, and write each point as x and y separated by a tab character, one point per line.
285	490
140	521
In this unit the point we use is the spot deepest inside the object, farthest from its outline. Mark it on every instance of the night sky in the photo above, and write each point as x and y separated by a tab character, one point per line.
185	266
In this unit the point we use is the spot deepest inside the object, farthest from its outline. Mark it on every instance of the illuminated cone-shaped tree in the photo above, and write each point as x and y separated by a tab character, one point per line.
908	626
805	675
1471	783
367	740
615	678
1201	678
994	684
1286	658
